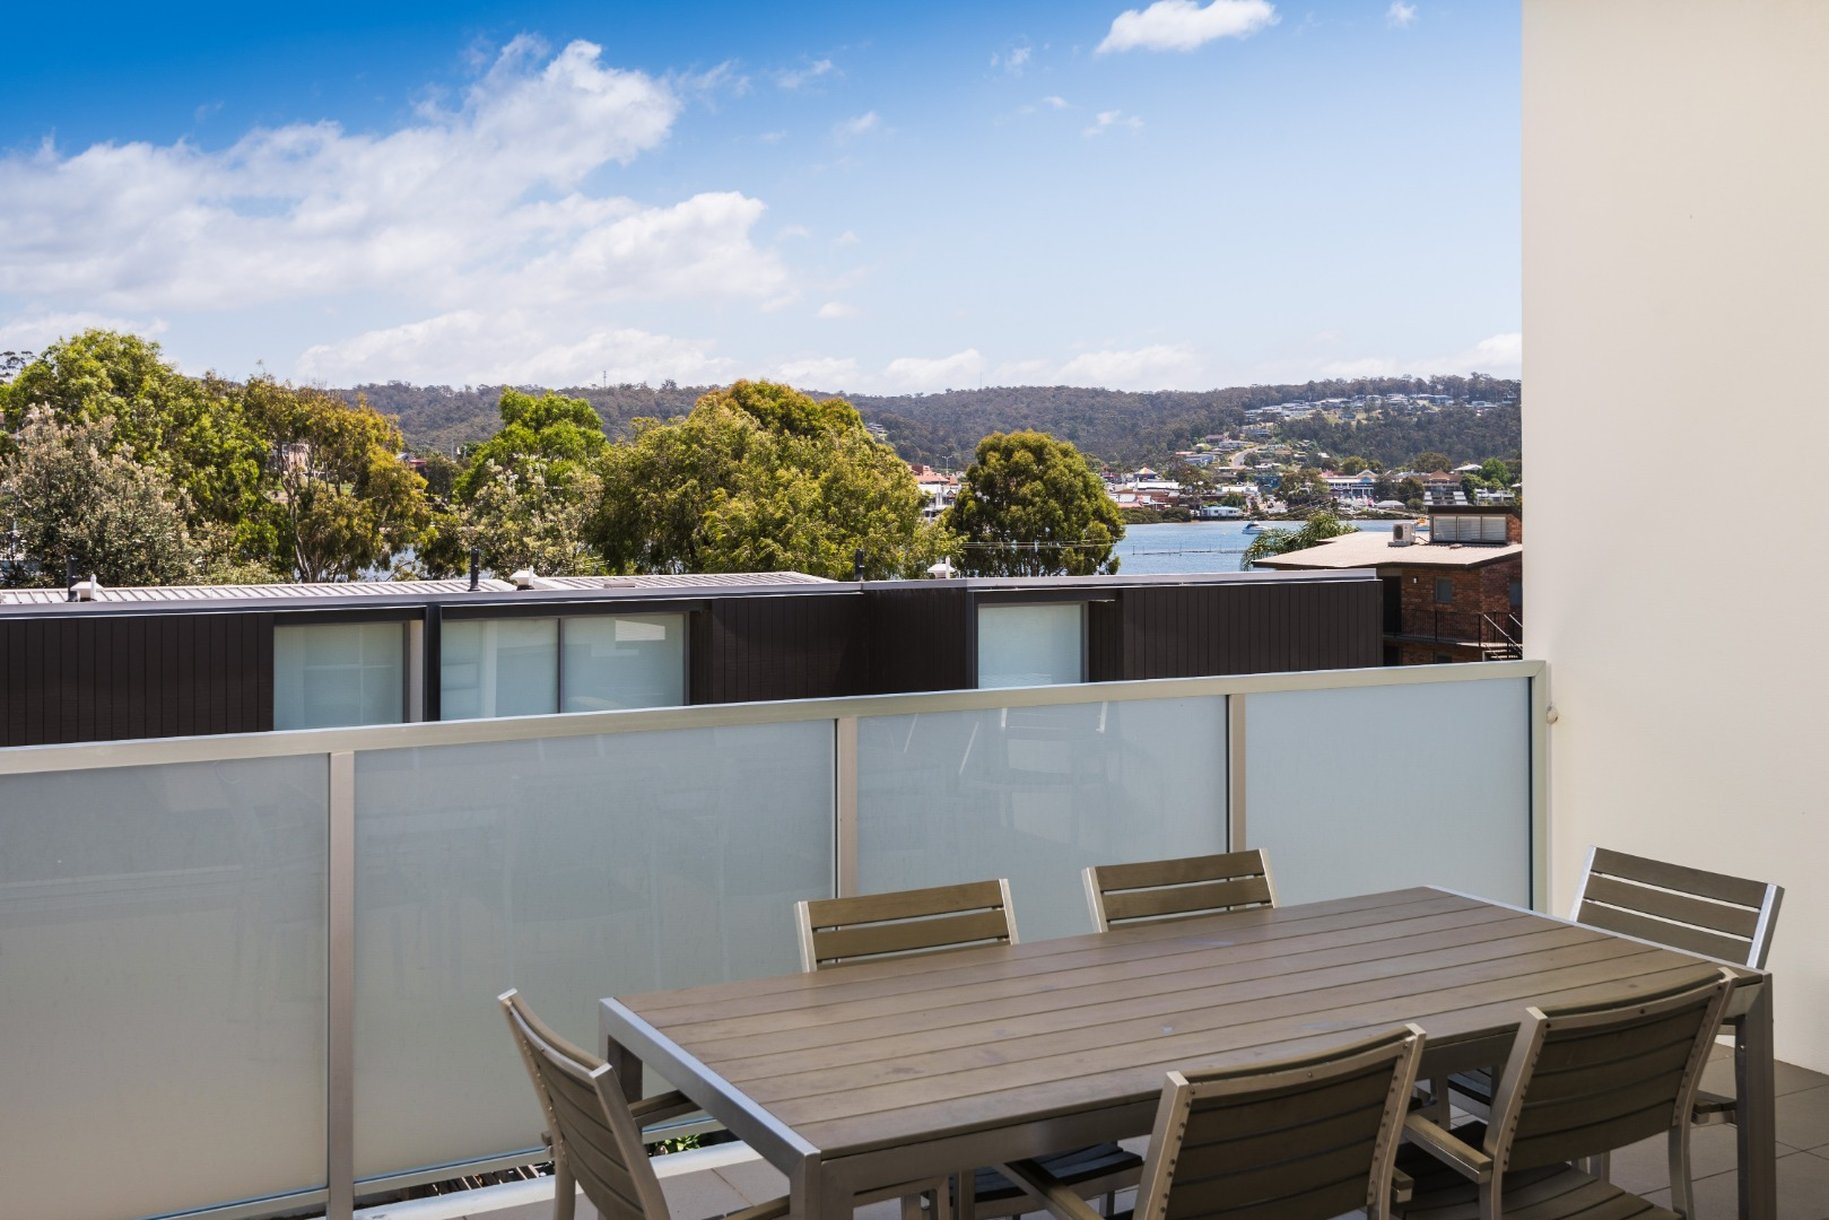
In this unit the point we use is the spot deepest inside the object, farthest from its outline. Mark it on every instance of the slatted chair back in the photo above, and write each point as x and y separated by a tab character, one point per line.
1313	1136
834	931
1174	889
1582	1081
1718	916
595	1138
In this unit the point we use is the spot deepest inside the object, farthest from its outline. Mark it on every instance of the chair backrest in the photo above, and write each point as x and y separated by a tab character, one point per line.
594	1135
838	930
1174	889
1584	1080
1312	1136
1729	918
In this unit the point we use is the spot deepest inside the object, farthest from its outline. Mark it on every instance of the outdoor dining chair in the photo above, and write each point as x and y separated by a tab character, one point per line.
1688	909
595	1133
1580	1082
1122	894
842	931
1301	1138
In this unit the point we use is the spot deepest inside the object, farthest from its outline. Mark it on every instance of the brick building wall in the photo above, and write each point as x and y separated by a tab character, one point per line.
1474	591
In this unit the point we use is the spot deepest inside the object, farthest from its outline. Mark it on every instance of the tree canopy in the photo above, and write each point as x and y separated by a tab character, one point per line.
1030	505
1317	529
761	478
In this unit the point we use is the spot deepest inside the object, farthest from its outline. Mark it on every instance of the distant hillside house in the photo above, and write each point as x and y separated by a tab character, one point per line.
1459	596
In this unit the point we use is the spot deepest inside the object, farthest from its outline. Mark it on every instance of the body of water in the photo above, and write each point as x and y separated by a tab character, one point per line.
1199	546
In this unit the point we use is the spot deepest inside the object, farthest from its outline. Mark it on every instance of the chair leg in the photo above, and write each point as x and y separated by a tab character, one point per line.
565	1192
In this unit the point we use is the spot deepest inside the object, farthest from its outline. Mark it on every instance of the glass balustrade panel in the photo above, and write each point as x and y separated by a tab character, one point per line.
571	868
1359	789
1036	795
162	938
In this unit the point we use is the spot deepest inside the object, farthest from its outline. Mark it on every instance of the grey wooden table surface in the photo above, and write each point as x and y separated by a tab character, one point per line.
904	1069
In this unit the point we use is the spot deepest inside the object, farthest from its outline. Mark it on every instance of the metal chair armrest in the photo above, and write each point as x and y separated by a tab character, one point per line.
1461	1157
761	1211
1049	1191
661	1107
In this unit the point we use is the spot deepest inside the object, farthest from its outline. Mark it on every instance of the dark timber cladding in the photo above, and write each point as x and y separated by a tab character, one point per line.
1169	631
124	676
803	646
164	663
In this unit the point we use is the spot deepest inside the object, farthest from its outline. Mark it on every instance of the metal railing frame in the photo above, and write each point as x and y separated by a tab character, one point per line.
339	747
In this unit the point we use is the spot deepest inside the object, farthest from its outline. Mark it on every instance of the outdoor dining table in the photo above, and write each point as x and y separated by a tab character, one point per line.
908	1069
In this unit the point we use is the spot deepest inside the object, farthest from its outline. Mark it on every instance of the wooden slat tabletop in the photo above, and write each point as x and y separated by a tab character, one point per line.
889	1053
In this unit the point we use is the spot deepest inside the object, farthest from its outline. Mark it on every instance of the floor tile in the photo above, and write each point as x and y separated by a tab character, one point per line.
1645	1166
1803	1191
757	1180
1718	1076
1803	1118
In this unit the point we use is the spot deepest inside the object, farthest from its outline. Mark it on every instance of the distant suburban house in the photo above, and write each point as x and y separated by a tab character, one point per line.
1456	597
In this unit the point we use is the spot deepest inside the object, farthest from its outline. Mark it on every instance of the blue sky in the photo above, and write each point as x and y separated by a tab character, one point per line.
872	197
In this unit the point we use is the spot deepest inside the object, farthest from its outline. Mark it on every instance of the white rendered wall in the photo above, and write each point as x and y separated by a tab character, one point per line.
1676	306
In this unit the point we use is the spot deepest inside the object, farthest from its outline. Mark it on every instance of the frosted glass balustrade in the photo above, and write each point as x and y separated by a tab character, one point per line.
1377	788
161	986
1036	795
572	868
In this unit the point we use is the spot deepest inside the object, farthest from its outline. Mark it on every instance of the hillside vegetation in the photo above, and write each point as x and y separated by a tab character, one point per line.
1120	427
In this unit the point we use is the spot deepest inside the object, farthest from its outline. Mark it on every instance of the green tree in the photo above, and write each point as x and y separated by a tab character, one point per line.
531	518
761	478
342	502
565	435
1305	491
185	428
1431	461
1318	528
1030	505
1496	473
80	499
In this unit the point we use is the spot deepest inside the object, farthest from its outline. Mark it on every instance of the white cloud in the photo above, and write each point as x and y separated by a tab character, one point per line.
458	209
858	125
919	373
1499	355
796	78
793	233
1400	15
1014	61
833	310
1182	25
818	373
515	347
1112	119
1054	102
772	137
1161	367
723	78
37	331
847	238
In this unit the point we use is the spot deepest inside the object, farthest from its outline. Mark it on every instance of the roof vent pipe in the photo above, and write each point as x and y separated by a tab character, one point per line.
476	568
524	579
86	590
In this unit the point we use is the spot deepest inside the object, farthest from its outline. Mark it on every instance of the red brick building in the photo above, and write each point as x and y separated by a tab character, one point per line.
1456	597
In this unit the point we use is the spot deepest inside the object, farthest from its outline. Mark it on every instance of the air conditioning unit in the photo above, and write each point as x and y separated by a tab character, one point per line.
1403	533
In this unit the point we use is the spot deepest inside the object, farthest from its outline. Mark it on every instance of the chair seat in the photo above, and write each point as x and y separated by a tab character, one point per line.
1075	1169
1711	1109
1555	1192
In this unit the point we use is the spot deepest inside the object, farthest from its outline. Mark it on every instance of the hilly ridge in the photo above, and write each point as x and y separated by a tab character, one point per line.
1120	427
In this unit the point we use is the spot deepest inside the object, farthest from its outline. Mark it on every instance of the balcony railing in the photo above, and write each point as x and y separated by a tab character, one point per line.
258	971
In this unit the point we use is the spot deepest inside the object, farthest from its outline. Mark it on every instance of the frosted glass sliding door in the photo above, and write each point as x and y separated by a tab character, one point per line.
329	674
498	667
571	868
162	939
1376	788
623	660
1037	794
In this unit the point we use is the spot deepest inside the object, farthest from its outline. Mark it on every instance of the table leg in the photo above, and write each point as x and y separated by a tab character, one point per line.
813	1195
1755	1103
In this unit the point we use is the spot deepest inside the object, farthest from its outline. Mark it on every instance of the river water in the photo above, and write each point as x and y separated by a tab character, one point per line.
1198	546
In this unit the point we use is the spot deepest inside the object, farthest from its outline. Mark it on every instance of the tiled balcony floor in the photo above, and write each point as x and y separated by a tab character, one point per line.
1803	1168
